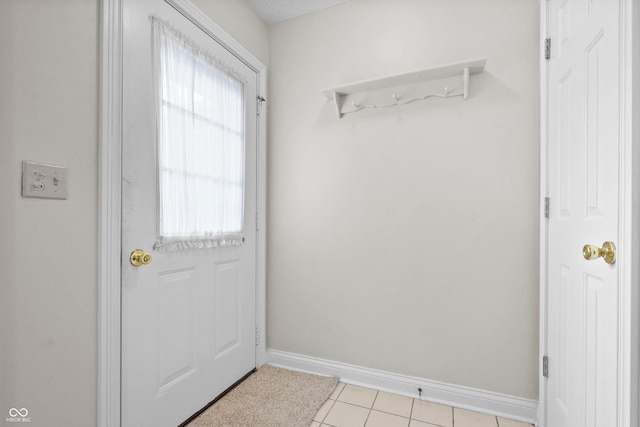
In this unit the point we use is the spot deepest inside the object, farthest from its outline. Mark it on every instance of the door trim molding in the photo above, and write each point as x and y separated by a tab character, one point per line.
109	211
544	225
628	238
629	220
109	196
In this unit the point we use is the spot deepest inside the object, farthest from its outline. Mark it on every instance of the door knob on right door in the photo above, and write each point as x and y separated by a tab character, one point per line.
607	251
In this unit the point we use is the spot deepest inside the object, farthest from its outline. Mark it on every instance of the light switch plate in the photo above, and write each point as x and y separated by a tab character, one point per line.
44	181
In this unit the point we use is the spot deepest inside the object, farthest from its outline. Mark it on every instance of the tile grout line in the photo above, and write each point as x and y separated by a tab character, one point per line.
334	402
409	418
429	423
371	408
327	414
413	402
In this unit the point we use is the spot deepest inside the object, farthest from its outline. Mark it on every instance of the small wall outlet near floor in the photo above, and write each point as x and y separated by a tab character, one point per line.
44	181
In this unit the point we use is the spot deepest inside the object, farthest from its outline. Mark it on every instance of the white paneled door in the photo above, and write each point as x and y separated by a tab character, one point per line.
188	316
584	146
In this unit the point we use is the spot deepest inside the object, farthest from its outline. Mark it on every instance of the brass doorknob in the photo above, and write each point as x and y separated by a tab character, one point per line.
139	257
607	251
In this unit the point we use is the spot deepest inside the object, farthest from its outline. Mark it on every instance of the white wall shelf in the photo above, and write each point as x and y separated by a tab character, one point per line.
463	69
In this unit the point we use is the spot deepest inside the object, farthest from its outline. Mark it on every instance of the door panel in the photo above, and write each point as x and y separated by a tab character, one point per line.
188	318
227	307
175	318
583	96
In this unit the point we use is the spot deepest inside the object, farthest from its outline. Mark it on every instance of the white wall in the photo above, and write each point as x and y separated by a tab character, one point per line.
241	22
48	113
48	248
406	240
352	276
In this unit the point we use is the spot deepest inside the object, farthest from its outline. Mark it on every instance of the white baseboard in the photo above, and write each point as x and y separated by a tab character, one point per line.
502	405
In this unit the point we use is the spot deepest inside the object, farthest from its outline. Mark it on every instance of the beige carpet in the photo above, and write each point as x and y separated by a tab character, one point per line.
271	397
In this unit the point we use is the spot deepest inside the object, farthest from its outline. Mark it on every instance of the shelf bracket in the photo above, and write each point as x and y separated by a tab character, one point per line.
338	98
466	83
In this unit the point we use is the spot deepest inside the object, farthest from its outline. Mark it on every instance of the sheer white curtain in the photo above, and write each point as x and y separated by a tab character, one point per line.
201	142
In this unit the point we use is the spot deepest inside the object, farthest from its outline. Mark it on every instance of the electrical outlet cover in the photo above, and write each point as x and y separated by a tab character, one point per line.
44	181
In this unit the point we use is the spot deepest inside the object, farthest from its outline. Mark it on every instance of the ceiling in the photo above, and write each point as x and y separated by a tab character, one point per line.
272	11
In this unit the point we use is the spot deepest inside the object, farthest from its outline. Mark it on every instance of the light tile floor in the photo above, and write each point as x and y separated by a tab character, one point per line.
352	406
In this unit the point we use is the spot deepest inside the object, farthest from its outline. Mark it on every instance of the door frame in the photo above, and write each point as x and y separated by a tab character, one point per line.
628	238
109	196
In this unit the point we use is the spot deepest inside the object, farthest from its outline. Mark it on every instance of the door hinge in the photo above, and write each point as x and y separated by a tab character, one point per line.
257	221
547	207
259	100
547	49
545	366
257	337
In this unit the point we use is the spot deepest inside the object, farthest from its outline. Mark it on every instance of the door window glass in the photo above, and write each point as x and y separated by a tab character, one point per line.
201	144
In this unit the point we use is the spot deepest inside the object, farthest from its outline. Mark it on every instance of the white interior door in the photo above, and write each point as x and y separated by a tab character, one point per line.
188	317
584	146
